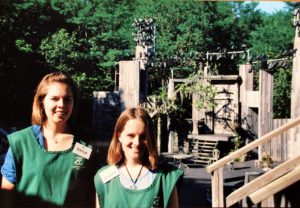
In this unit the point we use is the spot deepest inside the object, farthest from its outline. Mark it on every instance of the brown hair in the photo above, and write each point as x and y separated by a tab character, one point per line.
38	115
115	152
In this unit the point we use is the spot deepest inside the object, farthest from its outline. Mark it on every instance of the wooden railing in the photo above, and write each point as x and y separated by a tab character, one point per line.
216	170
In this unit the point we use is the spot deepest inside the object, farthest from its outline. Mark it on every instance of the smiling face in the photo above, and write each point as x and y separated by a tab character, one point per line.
58	103
133	140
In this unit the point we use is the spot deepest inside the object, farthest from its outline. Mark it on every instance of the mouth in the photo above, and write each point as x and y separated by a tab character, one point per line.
61	113
135	150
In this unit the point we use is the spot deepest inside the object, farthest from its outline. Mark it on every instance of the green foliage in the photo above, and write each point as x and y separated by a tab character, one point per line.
23	46
266	160
88	38
273	36
204	93
237	143
59	50
160	104
196	85
282	93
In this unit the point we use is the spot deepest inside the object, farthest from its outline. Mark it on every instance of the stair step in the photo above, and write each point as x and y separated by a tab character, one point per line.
202	151
205	147
206	143
202	157
202	154
201	161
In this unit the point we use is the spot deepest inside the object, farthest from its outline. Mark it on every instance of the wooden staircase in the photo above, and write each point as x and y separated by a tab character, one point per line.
202	151
268	184
262	187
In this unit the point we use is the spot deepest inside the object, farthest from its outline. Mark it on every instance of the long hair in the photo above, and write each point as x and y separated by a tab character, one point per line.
115	152
38	115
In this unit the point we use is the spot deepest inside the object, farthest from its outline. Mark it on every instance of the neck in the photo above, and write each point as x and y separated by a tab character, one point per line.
134	175
53	130
132	163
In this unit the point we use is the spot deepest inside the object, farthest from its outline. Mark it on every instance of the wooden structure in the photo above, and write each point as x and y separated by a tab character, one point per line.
286	148
219	122
202	147
133	79
295	100
264	186
132	87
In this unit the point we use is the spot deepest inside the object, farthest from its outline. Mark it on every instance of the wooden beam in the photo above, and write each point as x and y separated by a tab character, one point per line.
262	181
210	137
223	161
210	78
217	188
276	186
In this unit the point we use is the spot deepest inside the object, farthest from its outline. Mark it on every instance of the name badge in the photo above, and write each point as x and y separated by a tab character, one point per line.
82	150
109	173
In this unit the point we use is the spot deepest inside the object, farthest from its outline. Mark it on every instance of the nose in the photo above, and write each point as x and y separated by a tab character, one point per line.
136	140
60	102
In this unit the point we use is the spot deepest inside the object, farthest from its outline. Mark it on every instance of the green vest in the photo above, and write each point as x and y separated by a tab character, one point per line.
114	194
47	178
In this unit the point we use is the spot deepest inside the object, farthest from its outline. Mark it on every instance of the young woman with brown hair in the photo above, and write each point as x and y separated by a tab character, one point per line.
47	163
133	177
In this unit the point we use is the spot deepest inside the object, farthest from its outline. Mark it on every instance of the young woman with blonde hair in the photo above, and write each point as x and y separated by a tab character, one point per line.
47	163
133	177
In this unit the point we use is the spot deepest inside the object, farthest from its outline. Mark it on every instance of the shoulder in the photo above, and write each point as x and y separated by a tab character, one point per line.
170	171
18	135
167	168
106	173
22	131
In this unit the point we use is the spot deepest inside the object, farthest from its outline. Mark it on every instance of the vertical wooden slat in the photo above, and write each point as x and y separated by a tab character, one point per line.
221	187
281	145
129	83
295	95
265	109
217	188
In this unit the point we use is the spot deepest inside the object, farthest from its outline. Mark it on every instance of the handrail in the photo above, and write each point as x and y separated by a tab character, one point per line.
223	161
262	181
276	186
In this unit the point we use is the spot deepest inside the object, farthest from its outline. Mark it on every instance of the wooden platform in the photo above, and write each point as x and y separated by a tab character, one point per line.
201	147
210	137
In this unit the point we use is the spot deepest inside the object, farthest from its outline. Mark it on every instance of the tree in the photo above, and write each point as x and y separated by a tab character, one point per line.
273	38
88	38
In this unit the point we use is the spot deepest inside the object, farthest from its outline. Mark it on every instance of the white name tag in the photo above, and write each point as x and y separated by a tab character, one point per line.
109	173
82	150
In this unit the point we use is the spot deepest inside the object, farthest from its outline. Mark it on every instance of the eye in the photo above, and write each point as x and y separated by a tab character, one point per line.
130	135
68	99
54	98
143	137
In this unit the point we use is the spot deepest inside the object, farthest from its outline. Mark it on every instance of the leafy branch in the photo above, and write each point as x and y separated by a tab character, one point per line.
197	85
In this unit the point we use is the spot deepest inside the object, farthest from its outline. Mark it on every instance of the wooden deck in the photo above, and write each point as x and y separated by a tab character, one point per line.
211	137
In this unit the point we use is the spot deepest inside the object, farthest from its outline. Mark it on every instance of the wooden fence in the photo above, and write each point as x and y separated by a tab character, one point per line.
279	147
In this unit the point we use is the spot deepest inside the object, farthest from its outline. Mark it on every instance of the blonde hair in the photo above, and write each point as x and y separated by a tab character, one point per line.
38	115
115	152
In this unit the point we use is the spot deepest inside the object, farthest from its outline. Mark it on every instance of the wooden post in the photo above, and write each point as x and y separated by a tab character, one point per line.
294	148
197	115
171	136
133	79
247	85
129	83
217	188
265	113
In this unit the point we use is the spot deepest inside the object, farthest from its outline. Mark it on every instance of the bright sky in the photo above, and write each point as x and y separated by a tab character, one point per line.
271	6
